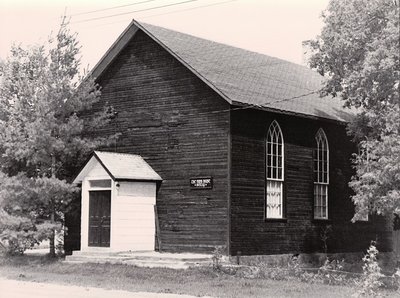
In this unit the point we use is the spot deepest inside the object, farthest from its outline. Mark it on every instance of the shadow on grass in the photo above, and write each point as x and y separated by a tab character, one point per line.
28	260
199	281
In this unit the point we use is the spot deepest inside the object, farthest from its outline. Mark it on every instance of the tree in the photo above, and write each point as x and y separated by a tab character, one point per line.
358	52
46	132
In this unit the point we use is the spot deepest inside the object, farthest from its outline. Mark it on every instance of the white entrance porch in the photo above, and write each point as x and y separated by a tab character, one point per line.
118	198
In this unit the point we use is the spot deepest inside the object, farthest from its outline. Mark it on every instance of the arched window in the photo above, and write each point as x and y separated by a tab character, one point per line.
321	175
275	169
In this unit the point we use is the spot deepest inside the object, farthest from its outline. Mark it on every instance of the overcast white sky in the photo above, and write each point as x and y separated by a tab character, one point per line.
272	27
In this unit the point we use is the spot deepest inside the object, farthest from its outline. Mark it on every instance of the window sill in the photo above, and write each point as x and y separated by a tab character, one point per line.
322	220
284	220
362	221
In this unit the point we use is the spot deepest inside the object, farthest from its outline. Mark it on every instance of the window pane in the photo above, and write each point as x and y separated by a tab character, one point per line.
100	183
321	201
274	165
279	173
274	199
321	158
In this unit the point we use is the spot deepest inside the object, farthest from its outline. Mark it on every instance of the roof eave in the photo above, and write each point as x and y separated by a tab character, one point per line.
93	154
138	179
130	32
122	42
285	112
103	165
188	66
114	50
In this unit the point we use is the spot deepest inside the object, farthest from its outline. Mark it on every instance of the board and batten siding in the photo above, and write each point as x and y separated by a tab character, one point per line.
251	232
132	216
180	126
132	225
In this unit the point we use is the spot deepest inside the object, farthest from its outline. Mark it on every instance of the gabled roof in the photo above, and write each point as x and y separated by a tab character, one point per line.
120	166
241	77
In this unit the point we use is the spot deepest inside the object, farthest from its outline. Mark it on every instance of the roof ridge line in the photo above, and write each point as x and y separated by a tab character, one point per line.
126	154
183	61
225	44
119	153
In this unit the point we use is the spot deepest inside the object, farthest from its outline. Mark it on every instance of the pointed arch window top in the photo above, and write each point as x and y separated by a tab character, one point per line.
275	168
322	141
321	158
275	152
275	133
321	175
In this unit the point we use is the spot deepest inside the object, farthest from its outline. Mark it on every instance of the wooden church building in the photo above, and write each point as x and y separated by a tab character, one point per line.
238	149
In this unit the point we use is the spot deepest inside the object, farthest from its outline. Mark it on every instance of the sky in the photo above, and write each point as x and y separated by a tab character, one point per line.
271	27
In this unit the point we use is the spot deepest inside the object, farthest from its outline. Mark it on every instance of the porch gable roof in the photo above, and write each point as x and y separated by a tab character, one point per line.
120	166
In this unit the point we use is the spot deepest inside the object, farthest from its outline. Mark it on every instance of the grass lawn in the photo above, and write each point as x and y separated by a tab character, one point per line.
196	281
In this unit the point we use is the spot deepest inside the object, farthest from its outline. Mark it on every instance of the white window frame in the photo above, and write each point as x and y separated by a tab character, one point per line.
274	184
92	187
321	185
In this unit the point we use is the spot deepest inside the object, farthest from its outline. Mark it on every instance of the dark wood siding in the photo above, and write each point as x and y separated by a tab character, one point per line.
251	233
181	128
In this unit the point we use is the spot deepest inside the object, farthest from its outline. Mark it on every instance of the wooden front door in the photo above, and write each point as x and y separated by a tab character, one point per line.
99	218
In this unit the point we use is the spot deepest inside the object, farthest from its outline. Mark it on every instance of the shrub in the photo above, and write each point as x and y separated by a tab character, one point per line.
217	257
370	282
18	233
396	278
331	272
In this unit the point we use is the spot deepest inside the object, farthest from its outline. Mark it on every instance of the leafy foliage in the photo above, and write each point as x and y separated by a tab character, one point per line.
358	52
46	131
371	281
217	256
377	180
16	232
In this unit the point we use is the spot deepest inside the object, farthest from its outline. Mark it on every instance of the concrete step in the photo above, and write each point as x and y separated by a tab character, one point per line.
140	259
158	264
135	258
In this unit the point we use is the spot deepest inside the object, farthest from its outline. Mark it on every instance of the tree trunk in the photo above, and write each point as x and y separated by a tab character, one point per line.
53	234
52	238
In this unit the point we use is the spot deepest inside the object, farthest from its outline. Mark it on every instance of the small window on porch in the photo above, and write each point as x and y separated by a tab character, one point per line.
275	169
321	175
104	183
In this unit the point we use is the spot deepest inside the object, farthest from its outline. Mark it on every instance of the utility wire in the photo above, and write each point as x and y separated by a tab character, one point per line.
109	8
133	11
261	106
264	105
187	9
166	13
246	106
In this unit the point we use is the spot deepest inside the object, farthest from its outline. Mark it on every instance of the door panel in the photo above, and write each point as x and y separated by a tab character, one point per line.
99	218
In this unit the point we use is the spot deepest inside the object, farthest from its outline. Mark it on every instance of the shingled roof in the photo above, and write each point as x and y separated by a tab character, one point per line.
120	166
240	76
